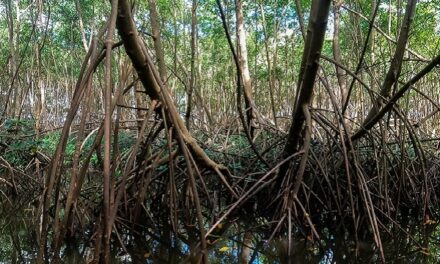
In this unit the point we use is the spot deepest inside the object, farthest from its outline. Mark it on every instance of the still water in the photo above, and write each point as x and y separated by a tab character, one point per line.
409	243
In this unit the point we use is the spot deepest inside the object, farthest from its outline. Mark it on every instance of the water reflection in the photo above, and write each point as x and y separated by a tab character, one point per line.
411	243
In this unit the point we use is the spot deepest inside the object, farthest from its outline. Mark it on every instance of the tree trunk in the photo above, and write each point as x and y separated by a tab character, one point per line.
337	50
156	91
81	25
140	105
396	63
155	29
108	132
308	71
269	67
245	74
192	80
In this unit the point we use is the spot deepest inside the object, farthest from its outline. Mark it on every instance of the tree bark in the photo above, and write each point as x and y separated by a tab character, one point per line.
393	100
81	26
245	74
337	50
396	63
269	67
53	177
155	29
308	71
192	80
107	131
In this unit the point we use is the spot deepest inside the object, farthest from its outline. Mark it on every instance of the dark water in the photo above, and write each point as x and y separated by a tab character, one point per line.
410	243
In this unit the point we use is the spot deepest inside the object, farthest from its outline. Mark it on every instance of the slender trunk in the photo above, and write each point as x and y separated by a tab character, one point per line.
140	104
390	16
155	29
396	63
15	106
384	34
81	25
245	74
176	37
107	130
269	67
308	72
11	35
393	99
13	27
53	177
337	50
300	18
192	80
157	90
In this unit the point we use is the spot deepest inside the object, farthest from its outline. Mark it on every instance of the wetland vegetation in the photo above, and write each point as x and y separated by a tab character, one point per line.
220	131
